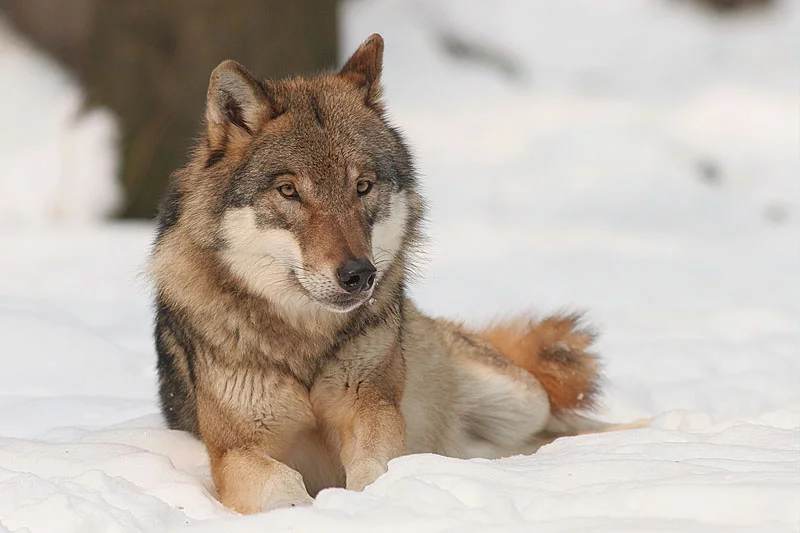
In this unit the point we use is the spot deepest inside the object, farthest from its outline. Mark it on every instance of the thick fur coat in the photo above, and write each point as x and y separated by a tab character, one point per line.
285	338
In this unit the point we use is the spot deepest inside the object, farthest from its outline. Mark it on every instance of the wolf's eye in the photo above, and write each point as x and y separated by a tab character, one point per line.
363	187
288	190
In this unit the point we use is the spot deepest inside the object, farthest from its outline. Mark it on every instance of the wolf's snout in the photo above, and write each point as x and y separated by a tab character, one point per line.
356	275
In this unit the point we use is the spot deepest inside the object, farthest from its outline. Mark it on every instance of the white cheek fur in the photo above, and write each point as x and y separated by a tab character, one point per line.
388	234
262	258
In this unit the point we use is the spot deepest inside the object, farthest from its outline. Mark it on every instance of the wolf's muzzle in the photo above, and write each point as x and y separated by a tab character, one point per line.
356	275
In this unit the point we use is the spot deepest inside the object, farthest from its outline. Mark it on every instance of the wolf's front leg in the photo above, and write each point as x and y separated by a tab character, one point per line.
250	427
374	434
364	414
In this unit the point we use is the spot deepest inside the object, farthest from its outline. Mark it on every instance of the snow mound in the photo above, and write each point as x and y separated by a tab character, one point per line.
736	478
59	160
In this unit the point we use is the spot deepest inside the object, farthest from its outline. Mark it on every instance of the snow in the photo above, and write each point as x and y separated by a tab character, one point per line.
59	159
640	163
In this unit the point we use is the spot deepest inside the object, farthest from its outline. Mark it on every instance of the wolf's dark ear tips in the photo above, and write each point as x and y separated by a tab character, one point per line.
235	98
364	67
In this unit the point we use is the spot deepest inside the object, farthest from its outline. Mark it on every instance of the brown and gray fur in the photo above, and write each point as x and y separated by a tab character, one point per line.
293	383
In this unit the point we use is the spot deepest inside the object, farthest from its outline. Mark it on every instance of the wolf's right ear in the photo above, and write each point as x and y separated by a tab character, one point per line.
236	105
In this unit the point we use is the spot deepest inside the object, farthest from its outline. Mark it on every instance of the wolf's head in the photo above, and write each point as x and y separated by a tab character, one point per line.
299	185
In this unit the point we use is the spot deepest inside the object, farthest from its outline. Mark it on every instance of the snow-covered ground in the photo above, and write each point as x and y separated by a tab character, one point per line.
630	157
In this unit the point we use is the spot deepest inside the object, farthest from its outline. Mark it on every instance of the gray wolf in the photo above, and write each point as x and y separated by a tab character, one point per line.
285	338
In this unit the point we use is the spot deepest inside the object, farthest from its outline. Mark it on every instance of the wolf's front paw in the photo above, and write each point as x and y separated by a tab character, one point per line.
363	473
286	489
302	501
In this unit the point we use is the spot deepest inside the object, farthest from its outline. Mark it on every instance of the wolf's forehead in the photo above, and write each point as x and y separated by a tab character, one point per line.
314	95
325	132
303	145
315	154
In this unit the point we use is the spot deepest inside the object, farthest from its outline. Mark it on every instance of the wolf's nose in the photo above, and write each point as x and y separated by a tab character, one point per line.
356	275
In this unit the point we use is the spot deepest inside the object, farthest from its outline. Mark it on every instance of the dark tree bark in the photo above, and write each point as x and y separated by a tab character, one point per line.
149	61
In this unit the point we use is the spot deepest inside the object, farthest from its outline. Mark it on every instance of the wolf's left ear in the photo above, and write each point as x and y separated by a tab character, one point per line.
236	105
364	67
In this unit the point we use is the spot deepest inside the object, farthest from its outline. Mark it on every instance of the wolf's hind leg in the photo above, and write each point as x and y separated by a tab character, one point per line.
557	352
503	409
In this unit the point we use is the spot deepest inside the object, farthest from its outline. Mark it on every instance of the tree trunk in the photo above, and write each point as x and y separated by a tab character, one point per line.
149	61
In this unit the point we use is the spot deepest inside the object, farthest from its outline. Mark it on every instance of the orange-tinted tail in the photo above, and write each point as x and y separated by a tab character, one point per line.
554	350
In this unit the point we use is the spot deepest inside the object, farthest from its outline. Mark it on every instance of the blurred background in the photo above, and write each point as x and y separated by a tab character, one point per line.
121	84
639	159
147	63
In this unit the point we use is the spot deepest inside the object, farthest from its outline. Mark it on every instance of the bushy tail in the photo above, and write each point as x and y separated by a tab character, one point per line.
556	351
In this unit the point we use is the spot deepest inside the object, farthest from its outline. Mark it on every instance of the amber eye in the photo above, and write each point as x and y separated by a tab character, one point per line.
288	190
363	187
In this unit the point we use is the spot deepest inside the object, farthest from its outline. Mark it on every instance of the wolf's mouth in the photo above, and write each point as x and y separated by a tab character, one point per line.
342	304
345	305
336	302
